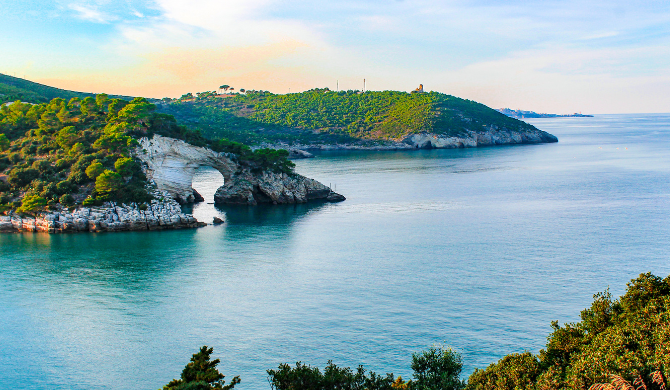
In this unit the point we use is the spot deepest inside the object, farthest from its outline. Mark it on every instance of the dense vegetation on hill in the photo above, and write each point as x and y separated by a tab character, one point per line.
62	154
324	116
317	116
625	339
15	88
619	344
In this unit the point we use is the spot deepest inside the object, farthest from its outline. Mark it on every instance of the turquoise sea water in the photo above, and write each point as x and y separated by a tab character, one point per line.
478	249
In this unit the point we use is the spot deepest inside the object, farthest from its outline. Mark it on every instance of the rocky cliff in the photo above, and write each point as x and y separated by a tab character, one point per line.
488	137
274	188
162	213
470	139
171	164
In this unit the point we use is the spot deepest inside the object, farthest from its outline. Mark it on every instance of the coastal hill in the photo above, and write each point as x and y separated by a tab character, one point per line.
15	88
321	119
108	164
324	119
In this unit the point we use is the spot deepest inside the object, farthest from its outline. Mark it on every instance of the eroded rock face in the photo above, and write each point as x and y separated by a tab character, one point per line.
246	188
491	136
171	165
162	213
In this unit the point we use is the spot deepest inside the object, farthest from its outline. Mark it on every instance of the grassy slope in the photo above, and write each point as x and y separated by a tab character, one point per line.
14	88
322	116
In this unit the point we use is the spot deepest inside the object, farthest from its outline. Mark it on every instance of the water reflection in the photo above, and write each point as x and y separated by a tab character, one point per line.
269	214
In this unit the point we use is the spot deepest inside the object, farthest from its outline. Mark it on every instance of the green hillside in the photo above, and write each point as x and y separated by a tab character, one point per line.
322	116
14	88
78	152
317	116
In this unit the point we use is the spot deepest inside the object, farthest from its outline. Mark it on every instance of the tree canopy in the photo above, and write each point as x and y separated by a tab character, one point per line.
201	374
324	116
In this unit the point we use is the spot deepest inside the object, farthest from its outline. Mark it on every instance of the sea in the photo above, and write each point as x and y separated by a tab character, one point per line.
472	249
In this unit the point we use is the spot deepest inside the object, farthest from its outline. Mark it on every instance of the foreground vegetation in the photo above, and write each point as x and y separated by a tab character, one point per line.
626	338
619	344
63	154
324	116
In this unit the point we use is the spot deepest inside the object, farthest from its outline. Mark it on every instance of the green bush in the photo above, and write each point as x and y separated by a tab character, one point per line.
126	166
66	200
4	143
305	377
95	169
15	158
19	177
201	373
31	203
42	166
89	201
108	182
437	368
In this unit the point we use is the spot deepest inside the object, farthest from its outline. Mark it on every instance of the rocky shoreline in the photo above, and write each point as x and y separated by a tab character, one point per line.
161	214
490	137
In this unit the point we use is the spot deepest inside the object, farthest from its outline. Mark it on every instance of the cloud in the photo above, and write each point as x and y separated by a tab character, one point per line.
90	14
551	56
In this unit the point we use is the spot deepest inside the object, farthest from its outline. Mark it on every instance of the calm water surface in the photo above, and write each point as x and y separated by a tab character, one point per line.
478	249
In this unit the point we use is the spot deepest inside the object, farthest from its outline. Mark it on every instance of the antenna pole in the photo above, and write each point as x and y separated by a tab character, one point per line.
363	85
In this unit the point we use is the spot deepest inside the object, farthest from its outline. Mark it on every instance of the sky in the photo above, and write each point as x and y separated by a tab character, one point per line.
546	56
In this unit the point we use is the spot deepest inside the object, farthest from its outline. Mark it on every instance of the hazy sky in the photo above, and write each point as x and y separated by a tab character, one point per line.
548	56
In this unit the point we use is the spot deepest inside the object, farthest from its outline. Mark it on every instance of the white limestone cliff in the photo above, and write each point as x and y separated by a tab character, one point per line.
162	213
171	164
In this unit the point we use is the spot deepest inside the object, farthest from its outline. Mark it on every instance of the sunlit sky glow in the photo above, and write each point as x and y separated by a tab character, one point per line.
547	56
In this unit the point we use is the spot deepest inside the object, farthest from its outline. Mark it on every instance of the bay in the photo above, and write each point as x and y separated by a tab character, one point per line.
478	249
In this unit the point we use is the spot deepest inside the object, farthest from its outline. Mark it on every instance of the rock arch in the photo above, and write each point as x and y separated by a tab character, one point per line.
171	164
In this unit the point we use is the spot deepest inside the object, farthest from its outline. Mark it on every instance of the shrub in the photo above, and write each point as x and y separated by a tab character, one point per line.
19	177
31	203
437	368
628	337
95	169
201	373
126	166
89	201
66	200
42	166
514	371
65	187
305	377
108	182
4	143
62	164
15	158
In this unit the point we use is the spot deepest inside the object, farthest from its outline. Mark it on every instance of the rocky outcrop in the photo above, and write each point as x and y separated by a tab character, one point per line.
492	136
164	213
471	139
246	188
171	164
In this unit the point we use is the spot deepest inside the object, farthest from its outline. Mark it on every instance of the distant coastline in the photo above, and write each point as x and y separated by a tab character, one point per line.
520	114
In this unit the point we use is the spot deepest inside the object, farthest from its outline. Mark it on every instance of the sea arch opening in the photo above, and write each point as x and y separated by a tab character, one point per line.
205	181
